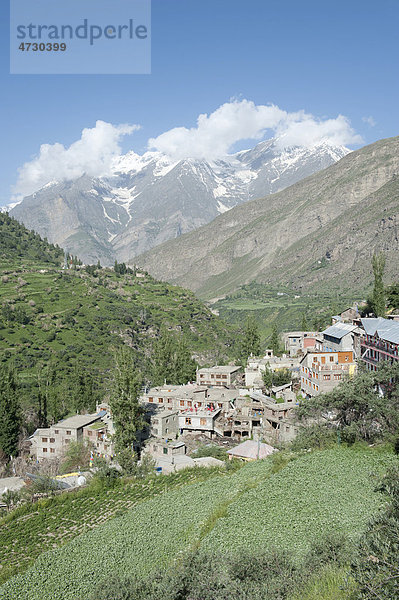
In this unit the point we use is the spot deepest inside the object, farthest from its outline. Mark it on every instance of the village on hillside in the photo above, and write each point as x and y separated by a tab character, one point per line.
241	409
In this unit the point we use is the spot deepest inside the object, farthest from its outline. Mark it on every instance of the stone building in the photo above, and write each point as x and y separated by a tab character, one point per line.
218	375
52	442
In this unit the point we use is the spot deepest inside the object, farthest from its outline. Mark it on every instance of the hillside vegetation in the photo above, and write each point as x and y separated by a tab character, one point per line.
60	325
269	503
18	244
321	231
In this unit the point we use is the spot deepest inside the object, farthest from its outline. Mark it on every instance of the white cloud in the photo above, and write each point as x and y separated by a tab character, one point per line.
370	121
216	133
91	154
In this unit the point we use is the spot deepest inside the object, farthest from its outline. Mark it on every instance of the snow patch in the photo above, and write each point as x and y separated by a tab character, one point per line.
222	208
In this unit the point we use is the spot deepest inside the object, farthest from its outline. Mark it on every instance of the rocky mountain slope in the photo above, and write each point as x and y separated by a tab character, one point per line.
322	230
148	199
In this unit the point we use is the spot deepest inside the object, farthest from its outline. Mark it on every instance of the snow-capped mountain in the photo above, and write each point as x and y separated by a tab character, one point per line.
149	198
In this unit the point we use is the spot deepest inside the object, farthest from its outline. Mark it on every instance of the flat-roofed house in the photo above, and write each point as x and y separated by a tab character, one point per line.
52	442
219	375
323	371
296	342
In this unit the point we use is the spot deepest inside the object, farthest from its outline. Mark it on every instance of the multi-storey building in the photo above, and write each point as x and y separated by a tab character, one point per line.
323	371
342	337
220	375
380	342
256	367
52	442
298	342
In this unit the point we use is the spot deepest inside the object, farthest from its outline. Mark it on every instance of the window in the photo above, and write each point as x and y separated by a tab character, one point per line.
212	376
44	449
189	403
165	450
188	421
331	359
52	440
68	432
202	421
52	450
160	400
181	402
326	377
224	376
44	440
67	441
57	431
89	433
150	399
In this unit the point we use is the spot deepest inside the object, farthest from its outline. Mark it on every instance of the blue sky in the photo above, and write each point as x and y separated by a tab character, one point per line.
326	58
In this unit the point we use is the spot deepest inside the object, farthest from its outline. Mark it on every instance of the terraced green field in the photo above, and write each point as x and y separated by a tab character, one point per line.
31	530
317	493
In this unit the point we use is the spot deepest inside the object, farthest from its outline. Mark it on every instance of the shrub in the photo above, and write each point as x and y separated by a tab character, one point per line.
315	436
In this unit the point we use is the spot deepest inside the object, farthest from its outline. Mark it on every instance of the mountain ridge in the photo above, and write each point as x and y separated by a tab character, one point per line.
150	199
244	244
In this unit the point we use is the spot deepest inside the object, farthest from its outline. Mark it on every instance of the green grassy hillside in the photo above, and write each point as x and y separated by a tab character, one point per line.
19	244
258	507
282	307
70	320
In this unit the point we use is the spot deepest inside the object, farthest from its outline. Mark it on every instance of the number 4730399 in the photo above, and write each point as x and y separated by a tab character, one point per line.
42	47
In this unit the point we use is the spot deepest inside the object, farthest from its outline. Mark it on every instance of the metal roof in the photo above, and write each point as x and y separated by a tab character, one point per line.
386	329
339	330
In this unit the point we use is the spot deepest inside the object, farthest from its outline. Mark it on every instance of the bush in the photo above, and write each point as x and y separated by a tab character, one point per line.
214	451
76	457
317	436
376	567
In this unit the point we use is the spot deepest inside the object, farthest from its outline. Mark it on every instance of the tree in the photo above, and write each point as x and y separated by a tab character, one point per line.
376	566
250	343
127	412
274	341
304	323
84	396
392	295
364	407
77	456
267	377
172	361
378	296
10	415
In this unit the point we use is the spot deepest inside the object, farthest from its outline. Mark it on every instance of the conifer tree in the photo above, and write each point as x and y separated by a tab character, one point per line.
172	361
378	297
10	415
275	341
250	343
127	412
